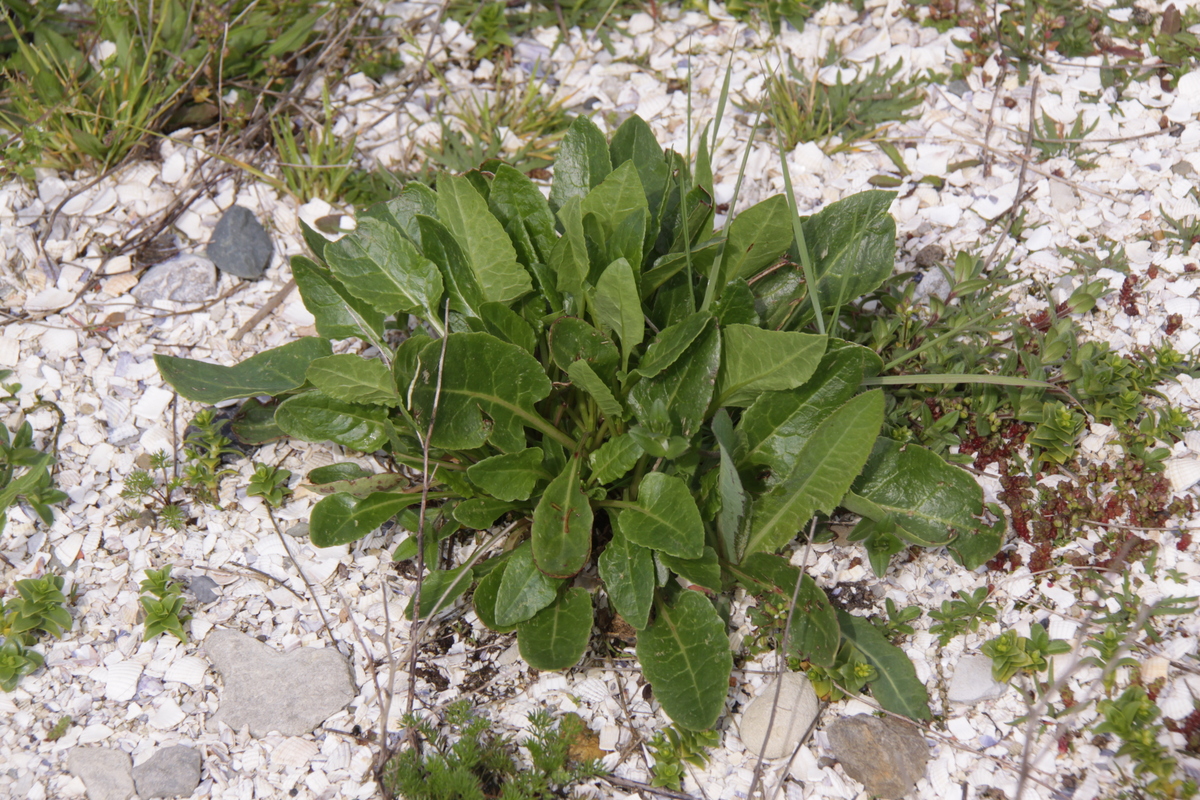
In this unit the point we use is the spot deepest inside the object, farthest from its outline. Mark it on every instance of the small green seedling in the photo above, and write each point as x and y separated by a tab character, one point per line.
16	661
962	615
269	483
673	747
59	729
162	603
38	607
1012	653
1131	718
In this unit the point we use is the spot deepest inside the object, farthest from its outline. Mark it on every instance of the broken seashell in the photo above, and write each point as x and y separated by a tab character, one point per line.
294	752
122	681
1154	668
187	670
1182	473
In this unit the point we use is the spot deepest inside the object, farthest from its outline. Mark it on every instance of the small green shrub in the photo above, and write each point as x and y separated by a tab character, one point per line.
1012	653
37	608
673	747
16	661
640	394
481	765
962	615
162	604
25	471
163	490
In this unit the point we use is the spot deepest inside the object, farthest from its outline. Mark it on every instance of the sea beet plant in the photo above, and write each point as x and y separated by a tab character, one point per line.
637	394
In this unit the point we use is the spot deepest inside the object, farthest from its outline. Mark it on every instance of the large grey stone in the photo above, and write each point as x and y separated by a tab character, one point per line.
886	755
795	713
240	245
184	279
171	772
972	681
107	774
271	691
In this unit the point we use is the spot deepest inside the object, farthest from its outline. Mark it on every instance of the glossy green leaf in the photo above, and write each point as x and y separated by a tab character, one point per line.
274	372
483	375
853	244
507	326
619	206
341	471
757	361
582	163
730	492
316	241
458	277
664	517
736	305
485	599
562	524
973	549
254	423
481	513
619	308
634	141
670	344
572	339
524	590
814	632
354	379
316	417
704	571
757	238
338	313
439	589
583	376
510	476
378	265
685	388
614	458
514	199
465	214
628	573
897	688
402	210
342	518
557	636
569	257
685	655
825	468
929	500
357	485
775	428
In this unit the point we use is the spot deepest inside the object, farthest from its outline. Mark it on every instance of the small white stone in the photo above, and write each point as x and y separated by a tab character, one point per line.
60	342
796	710
973	682
49	300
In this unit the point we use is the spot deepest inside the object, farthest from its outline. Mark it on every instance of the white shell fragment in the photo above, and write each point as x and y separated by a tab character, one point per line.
1182	473
122	681
293	752
189	670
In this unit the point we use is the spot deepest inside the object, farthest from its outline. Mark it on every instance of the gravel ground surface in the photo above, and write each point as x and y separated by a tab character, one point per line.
76	334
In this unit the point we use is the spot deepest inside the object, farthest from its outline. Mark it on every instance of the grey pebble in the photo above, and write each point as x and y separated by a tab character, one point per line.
171	772
887	755
183	279
240	245
107	773
204	589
